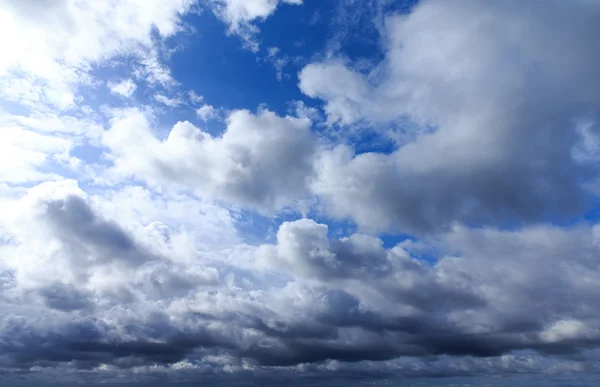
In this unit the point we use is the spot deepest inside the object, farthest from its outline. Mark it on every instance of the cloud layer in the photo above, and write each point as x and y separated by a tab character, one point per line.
261	161
151	235
499	92
130	297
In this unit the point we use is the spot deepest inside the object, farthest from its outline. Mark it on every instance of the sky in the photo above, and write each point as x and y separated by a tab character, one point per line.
299	192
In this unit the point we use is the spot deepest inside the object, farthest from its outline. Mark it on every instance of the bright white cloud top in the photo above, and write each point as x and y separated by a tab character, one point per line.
376	193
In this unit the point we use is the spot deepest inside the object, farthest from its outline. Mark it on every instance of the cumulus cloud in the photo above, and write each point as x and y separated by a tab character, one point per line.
53	47
307	302
207	112
262	161
142	272
125	88
51	54
499	114
77	239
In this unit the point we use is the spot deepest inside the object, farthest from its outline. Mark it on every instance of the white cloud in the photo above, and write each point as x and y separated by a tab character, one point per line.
483	100
207	112
143	284
211	227
346	92
299	109
171	102
144	274
115	268
194	97
65	125
263	161
23	153
98	256
77	33
278	61
240	15
153	71
53	47
36	146
125	88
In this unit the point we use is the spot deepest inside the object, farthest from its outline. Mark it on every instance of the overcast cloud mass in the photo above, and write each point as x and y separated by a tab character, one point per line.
297	192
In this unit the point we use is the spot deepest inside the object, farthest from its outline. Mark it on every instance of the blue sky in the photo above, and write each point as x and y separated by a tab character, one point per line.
328	192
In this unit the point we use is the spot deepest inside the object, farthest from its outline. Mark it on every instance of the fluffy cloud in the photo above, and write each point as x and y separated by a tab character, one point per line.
78	33
57	215
51	53
142	271
207	112
35	144
125	88
262	161
49	50
117	297
498	113
24	152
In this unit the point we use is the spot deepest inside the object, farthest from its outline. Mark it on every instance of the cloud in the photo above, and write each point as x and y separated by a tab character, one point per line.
262	161
498	116
170	102
153	71
326	302
91	261
125	88
78	33
207	112
37	144
23	153
142	272
278	61
50	50
51	62
240	15
466	305
207	227
77	239
65	297
194	97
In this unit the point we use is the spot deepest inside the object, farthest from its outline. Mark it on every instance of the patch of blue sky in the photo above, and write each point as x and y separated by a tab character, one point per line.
593	214
91	154
367	140
226	75
255	228
13	107
299	31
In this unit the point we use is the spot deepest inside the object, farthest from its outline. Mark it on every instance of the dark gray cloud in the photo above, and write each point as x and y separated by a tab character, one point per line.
341	302
73	221
65	297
